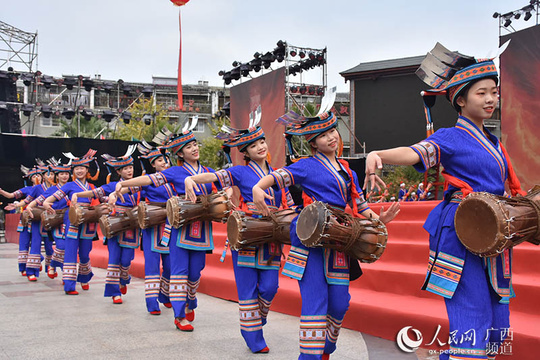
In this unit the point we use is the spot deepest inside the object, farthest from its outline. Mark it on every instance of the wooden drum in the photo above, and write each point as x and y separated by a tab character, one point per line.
244	230
123	220
213	207
151	215
26	219
320	225
487	224
81	214
52	221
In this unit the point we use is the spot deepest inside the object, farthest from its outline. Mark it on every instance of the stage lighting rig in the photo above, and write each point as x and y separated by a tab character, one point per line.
87	114
88	84
126	88
147	118
147	91
47	81
68	113
268	59
126	116
235	73
46	111
256	64
108	115
107	86
245	69
70	82
27	109
27	78
505	20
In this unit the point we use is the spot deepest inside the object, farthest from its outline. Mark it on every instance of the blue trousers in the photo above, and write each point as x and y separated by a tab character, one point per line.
156	282
323	308
59	251
49	250
256	290
118	267
33	263
24	246
82	248
477	319
186	267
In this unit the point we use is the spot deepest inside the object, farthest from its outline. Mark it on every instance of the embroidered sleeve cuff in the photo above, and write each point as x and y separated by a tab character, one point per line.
59	195
158	179
224	178
429	155
283	178
40	200
28	200
18	194
98	193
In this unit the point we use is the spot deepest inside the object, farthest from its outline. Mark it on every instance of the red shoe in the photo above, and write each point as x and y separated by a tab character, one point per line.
23	273
266	350
52	273
167	305
74	292
117	300
181	327
123	289
32	278
325	356
40	268
157	312
85	286
190	316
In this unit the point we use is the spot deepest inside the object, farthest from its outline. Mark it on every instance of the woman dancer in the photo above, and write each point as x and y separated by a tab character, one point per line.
78	238
190	242
35	175
121	247
323	274
476	290
256	268
54	258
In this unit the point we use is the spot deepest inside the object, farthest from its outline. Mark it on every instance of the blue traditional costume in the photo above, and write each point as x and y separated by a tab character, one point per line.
56	259
122	246
322	274
156	282
188	244
25	232
78	238
476	290
256	268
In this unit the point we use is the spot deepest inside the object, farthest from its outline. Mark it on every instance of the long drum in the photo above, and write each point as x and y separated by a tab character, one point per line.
322	226
25	218
488	224
81	214
123	220
52	221
151	215
213	207
244	230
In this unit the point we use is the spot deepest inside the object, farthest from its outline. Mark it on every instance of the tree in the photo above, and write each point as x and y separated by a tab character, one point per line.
89	129
137	129
211	154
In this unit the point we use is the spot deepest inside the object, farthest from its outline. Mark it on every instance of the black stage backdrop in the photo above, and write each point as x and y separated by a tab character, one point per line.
16	150
389	112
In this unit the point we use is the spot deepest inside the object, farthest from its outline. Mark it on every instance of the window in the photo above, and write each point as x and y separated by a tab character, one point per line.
200	126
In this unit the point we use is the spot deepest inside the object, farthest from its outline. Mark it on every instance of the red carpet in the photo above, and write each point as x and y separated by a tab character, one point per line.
388	296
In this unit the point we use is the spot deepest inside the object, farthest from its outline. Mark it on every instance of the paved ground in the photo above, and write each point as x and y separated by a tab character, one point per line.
37	321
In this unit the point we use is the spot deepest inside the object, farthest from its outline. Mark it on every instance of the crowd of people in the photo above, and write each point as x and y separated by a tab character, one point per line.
175	255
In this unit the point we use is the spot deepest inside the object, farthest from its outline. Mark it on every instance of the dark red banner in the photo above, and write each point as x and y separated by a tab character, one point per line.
268	91
520	105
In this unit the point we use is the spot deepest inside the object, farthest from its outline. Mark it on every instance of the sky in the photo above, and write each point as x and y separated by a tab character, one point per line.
134	40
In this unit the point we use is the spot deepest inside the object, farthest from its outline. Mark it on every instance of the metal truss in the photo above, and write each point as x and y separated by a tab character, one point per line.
17	47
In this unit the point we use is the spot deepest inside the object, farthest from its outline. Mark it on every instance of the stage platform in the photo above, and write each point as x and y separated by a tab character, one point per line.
388	296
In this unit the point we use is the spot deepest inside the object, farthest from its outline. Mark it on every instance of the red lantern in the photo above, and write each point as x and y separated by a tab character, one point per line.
179	2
